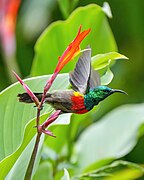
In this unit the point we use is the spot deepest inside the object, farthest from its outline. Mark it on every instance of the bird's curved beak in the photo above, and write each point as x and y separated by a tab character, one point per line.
119	91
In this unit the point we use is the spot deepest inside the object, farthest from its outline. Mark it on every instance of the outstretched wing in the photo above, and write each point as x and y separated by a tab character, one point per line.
84	76
94	79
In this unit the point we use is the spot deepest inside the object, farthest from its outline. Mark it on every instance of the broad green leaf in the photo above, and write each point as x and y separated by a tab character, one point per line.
15	115
98	165
7	164
58	146
60	141
19	159
127	174
112	137
102	60
64	7
141	131
118	170
44	171
107	77
58	36
66	175
67	6
18	170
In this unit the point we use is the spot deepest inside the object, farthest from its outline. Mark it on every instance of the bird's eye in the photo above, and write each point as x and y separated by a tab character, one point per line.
105	90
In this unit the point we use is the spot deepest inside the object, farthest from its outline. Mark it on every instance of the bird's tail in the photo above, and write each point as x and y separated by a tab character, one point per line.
27	99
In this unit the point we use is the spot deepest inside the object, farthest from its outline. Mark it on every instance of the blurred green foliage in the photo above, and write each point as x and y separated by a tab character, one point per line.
127	26
57	36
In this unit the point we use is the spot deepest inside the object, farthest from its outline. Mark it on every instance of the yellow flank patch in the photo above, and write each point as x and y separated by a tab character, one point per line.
77	94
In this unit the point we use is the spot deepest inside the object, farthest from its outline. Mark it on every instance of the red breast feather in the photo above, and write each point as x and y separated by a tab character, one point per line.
78	103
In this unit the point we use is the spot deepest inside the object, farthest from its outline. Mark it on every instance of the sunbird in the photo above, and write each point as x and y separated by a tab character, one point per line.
86	91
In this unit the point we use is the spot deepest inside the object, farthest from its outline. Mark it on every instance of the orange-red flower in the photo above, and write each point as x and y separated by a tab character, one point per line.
9	10
72	50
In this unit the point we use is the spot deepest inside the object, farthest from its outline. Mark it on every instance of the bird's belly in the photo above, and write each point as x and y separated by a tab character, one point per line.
64	107
67	101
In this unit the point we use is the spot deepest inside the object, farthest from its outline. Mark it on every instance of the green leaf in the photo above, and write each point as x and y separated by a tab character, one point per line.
7	164
141	131
66	175
18	169
67	6
127	174
58	36
60	141
18	161
98	165
15	116
102	60
44	171
119	170
112	137
107	77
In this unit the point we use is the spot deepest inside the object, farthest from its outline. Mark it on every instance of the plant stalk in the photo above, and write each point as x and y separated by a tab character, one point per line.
29	171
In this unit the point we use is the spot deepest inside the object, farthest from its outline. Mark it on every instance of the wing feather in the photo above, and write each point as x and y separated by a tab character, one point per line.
79	77
84	76
94	79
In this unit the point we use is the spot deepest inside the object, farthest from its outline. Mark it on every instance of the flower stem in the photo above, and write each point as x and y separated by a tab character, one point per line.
29	171
33	157
34	153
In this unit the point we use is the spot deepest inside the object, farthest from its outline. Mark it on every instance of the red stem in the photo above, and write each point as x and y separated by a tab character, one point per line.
32	160
34	153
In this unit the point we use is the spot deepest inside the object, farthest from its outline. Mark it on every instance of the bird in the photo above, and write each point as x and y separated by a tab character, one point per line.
85	93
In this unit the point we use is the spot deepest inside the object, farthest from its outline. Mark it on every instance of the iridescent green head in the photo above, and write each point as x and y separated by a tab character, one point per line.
98	94
103	91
